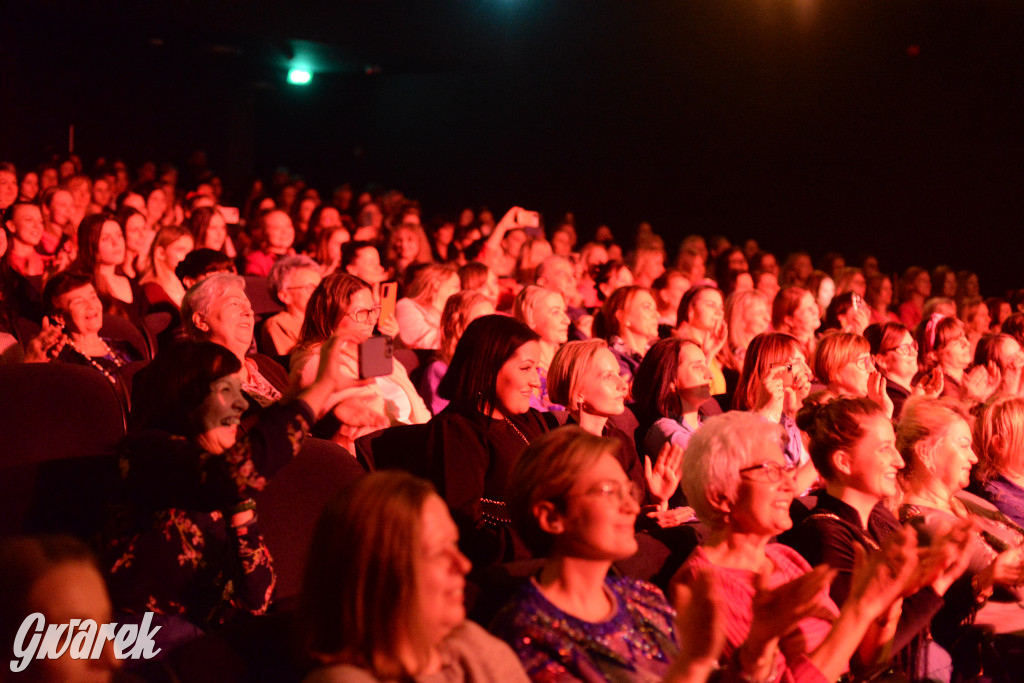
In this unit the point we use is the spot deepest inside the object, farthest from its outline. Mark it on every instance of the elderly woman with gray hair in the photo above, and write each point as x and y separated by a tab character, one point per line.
217	309
780	623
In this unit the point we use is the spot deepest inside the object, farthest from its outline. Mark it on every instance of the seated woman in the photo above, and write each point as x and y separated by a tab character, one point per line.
848	313
573	505
327	250
160	285
774	382
795	312
853	447
461	309
878	297
408	246
138	238
476	277
999	442
210	230
1004	352
489	383
668	290
934	438
71	301
56	577
942	343
584	375
702	319
101	253
292	281
419	312
342	302
974	312
894	353
915	288
748	313
842	362
274	237
544	312
736	477
186	545
216	309
389	542
629	323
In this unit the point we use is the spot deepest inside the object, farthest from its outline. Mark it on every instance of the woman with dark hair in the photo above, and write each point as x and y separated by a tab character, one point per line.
843	363
795	312
101	253
159	284
274	237
382	598
327	250
878	297
915	288
847	312
629	323
894	353
942	343
702	318
210	230
186	545
488	385
476	277
138	239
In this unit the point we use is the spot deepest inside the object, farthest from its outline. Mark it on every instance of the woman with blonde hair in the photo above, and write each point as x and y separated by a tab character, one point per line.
795	312
748	313
160	284
543	311
461	309
383	592
843	363
419	312
942	343
407	246
999	442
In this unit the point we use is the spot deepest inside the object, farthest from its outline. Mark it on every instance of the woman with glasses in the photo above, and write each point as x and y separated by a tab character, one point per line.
842	362
780	623
572	504
943	344
894	353
343	302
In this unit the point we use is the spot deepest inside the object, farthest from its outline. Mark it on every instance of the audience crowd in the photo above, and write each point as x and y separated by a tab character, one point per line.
571	460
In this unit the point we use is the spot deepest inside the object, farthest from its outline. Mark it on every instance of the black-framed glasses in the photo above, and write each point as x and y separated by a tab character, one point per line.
773	471
362	315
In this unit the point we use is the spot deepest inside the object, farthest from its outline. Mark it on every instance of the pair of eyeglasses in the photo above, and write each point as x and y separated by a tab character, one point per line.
865	363
616	491
773	471
362	315
309	287
904	349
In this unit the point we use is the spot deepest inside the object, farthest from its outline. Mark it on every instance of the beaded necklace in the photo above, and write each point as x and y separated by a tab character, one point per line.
110	355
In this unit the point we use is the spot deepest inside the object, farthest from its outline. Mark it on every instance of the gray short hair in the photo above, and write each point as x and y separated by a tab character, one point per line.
283	268
201	296
717	452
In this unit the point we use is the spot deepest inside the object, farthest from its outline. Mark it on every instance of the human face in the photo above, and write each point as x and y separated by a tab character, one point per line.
599	518
334	242
900	363
768	283
62	205
82	309
953	457
562	243
852	378
441	572
230	320
156	205
407	244
175	252
600	389
982	320
874	460
757	317
306	208
641	316
762	506
923	284
298	287
707	310
803	267
29	186
805	319
737	261
8	188
220	414
360	300
330	218
513	242
27	224
216	232
673	293
559	277
48	179
550	320
885	293
826	291
72	590
137	236
517	380
279	232
366	266
446	290
692	370
956	354
110	251
101	192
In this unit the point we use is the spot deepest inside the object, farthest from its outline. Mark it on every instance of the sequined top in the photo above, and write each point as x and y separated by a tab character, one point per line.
637	643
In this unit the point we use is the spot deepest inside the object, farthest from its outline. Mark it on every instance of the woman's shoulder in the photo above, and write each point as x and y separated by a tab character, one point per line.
488	658
786	559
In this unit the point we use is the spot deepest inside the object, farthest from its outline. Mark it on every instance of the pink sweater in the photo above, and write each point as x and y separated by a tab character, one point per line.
736	589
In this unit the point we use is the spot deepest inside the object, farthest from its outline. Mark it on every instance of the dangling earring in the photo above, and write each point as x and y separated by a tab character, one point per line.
579	404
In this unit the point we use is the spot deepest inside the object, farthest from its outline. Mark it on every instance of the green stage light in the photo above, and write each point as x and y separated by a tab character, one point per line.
299	77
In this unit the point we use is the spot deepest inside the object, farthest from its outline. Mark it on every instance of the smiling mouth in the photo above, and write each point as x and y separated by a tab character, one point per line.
232	421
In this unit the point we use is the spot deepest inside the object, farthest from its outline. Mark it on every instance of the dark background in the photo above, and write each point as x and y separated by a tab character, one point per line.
860	125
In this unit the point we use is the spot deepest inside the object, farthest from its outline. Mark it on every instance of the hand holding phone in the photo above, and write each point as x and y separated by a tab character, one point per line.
376	357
